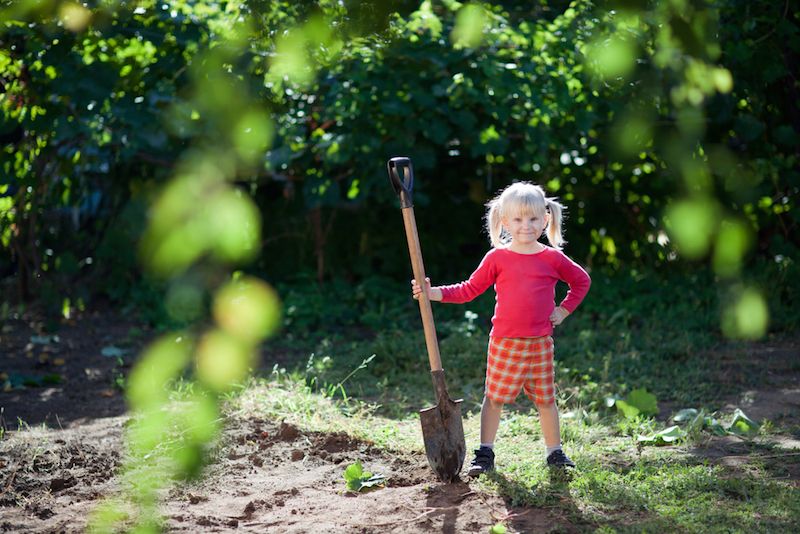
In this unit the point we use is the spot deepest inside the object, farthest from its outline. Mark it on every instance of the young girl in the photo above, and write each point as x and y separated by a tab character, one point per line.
524	273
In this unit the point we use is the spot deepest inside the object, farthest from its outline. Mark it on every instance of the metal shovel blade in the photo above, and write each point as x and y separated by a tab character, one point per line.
443	432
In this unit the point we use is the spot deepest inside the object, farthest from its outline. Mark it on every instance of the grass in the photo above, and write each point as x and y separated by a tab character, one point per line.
655	486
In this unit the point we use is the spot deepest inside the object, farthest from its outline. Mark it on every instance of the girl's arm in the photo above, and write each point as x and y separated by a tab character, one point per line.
578	281
483	277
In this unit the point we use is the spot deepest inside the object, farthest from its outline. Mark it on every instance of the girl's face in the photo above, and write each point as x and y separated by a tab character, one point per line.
525	227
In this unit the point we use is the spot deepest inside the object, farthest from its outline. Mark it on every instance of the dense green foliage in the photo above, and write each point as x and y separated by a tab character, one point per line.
613	112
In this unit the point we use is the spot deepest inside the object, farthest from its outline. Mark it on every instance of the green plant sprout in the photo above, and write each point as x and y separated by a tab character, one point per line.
358	480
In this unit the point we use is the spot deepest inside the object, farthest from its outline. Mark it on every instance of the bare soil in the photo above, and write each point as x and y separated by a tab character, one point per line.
267	475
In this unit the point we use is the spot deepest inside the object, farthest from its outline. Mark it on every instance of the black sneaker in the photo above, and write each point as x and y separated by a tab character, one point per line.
483	462
557	458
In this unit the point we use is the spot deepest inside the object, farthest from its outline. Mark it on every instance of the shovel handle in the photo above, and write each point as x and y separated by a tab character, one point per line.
401	176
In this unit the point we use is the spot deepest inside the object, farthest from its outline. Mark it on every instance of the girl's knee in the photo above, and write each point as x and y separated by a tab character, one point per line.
545	404
497	405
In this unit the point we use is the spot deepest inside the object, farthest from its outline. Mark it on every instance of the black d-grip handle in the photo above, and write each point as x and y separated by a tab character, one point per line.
401	176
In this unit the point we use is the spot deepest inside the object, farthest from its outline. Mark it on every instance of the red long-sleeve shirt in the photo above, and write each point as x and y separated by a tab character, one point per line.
524	285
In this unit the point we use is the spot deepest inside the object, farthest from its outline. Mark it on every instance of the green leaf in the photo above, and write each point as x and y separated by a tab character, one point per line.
499	528
687	414
374	480
692	223
353	472
644	401
741	424
468	30
712	424
663	437
630	412
357	479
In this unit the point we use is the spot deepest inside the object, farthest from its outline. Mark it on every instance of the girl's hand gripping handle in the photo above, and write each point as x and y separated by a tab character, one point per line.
401	176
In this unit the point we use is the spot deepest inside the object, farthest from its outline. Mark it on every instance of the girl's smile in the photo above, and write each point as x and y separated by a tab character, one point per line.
525	231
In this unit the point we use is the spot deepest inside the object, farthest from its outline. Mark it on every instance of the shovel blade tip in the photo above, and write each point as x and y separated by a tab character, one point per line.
443	433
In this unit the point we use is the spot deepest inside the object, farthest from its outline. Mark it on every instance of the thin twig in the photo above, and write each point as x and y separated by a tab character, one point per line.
774	29
10	481
428	511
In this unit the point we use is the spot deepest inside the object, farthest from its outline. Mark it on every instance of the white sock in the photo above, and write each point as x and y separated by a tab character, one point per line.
488	445
549	450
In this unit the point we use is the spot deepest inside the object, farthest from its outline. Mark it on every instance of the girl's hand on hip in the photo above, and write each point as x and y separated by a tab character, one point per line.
558	315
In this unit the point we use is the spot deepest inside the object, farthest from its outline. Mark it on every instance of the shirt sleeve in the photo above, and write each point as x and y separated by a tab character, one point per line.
483	277
577	279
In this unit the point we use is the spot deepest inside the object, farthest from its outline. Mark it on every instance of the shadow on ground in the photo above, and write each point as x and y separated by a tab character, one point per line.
65	374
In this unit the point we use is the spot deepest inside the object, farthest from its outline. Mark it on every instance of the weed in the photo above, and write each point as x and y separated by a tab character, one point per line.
118	380
358	480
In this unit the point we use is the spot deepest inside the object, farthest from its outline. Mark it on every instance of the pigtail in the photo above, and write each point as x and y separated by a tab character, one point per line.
494	223
554	229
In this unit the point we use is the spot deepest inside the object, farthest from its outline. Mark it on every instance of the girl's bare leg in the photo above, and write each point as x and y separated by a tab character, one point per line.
548	416
490	419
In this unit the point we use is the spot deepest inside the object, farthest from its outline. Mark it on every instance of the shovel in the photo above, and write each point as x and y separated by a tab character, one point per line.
442	429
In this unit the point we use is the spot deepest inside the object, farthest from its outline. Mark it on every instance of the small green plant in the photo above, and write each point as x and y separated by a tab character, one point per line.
638	402
117	376
499	528
663	437
359	480
698	420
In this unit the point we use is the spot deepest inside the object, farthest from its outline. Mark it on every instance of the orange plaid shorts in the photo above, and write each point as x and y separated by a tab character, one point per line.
520	363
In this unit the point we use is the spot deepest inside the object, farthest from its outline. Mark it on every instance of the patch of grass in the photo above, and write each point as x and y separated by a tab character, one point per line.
284	398
640	490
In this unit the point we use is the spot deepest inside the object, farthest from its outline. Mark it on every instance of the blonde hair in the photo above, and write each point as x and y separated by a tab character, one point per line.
523	198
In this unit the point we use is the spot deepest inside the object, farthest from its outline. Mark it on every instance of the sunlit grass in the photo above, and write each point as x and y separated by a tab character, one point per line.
293	402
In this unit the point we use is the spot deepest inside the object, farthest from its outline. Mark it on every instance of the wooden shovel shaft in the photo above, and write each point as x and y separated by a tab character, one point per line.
424	302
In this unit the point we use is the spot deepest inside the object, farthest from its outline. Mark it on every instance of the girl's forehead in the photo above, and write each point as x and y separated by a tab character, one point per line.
521	208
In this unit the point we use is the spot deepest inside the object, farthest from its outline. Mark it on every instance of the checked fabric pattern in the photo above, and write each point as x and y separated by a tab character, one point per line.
520	363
